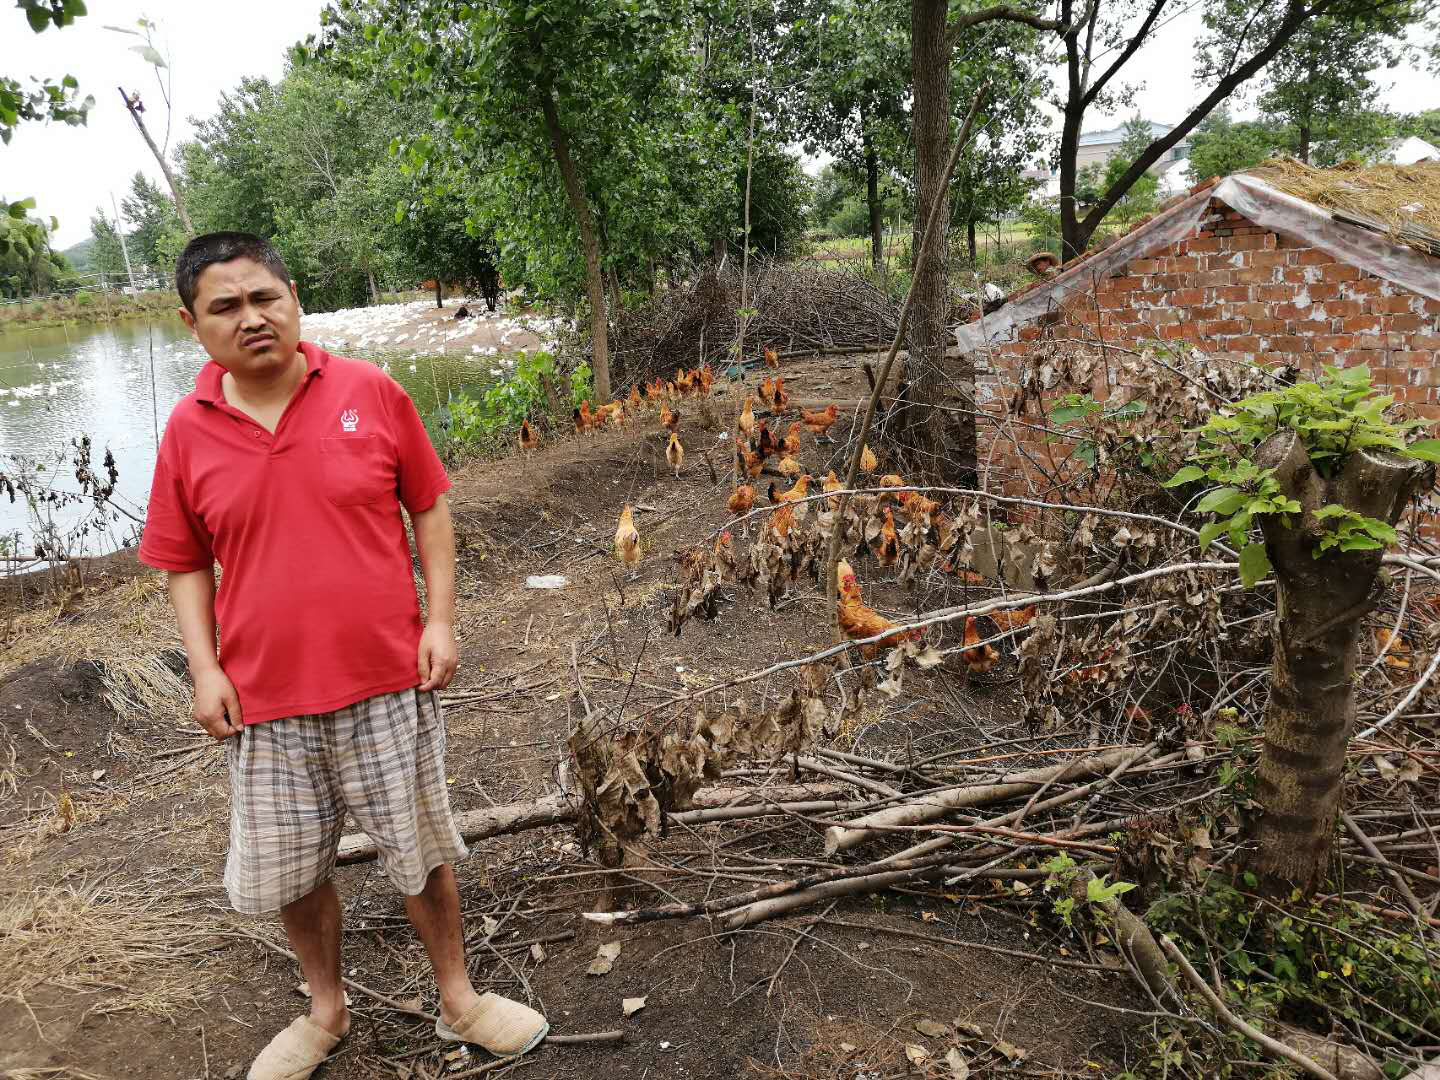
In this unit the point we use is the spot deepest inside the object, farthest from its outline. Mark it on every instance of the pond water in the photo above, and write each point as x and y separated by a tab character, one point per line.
117	383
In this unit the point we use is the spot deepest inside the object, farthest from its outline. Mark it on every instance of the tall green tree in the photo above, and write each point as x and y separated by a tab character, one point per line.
1319	90
1140	198
157	235
1222	146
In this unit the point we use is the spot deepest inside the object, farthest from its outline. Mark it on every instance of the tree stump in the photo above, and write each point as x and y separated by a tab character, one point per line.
1320	603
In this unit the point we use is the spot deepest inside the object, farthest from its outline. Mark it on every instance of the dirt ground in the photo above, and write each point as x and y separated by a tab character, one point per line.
119	956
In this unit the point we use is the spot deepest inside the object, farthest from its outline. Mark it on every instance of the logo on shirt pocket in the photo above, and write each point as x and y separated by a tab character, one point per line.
349	420
355	470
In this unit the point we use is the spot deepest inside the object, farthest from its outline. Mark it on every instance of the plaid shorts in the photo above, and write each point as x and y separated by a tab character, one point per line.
292	781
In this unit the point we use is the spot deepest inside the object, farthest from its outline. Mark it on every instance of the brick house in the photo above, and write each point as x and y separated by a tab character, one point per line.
1243	270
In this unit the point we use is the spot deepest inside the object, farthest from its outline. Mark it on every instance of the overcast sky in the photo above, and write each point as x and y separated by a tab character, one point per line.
71	171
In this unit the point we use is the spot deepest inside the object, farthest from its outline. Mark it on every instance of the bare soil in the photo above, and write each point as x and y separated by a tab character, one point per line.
797	997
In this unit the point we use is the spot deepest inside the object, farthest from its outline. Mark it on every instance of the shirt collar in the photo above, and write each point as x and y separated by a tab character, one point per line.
207	382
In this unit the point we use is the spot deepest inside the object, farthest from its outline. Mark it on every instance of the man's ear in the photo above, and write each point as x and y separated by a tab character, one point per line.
189	321
295	293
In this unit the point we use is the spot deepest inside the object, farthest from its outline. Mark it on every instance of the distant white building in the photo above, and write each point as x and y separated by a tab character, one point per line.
1098	147
1409	150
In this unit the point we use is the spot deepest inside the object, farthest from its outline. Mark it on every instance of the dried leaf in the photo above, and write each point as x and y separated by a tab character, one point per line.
959	1069
630	1006
932	1029
916	1054
604	959
1012	1052
537	953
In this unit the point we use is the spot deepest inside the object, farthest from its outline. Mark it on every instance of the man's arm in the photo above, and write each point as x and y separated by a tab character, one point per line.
217	706
435	541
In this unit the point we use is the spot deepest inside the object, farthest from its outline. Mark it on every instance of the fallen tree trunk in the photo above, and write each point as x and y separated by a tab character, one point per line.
709	804
934	805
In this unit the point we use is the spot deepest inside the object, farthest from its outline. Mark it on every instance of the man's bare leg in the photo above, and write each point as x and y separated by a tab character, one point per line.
435	914
313	924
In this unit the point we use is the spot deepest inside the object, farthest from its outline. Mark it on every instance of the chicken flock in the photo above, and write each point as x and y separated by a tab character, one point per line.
757	447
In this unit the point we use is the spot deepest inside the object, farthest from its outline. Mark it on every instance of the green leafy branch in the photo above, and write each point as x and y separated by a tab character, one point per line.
1338	414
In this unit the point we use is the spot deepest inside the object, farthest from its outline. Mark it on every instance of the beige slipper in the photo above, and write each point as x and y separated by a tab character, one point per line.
502	1026
295	1053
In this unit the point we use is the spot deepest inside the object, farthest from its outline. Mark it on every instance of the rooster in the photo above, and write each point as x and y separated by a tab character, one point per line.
635	401
858	622
978	658
584	419
781	403
868	461
794	495
742	500
684	381
886	546
767	390
772	358
669	419
746	424
675	454
819	423
627	538
529	441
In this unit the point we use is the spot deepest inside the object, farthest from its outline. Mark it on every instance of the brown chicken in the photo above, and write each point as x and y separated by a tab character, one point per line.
627	538
634	400
749	462
858	622
1013	620
608	413
684	381
584	419
818	423
917	506
794	495
886	546
788	466
830	484
742	500
868	461
767	390
765	443
781	403
668	418
529	441
707	378
746	423
791	443
978	658
675	454
772	358
1393	648
782	521
890	480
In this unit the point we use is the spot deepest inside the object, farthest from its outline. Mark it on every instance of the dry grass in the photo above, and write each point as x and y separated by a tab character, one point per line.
48	1072
130	940
1403	198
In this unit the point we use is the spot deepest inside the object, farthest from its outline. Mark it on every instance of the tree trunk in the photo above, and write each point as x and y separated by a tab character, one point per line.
374	289
580	206
970	238
160	158
872	201
1304	154
943	441
439	292
1320	603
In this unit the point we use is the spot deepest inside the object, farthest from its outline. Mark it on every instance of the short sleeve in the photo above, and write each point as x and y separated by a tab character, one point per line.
174	537
422	478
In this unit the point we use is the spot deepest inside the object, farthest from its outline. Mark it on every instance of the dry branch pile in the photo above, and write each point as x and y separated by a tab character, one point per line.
798	307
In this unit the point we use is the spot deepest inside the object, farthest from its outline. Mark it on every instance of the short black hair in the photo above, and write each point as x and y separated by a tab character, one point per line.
219	247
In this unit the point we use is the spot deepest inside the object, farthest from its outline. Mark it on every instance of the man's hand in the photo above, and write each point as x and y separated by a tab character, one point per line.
439	656
217	706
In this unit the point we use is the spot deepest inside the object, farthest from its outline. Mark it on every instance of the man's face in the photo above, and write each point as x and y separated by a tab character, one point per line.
247	319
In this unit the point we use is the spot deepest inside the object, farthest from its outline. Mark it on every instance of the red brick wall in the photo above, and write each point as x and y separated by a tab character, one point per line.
1236	290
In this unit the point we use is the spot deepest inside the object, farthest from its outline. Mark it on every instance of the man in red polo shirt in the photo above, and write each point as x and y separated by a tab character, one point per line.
288	467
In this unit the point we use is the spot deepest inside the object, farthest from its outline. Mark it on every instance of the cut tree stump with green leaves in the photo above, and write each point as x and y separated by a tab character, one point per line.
1323	475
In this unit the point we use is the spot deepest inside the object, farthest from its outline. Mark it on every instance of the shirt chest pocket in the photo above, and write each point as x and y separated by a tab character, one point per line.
356	470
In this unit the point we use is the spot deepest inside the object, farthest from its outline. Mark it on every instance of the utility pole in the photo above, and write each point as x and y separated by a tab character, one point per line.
124	247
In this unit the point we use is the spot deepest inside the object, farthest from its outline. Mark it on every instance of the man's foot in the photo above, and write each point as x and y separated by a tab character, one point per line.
297	1051
502	1026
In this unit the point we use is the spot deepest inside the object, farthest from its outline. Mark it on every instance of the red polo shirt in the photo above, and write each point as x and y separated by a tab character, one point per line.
317	606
